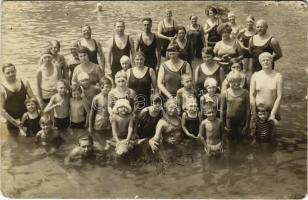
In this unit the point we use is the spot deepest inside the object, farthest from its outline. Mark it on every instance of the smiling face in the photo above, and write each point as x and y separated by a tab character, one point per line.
121	82
181	34
83	57
211	114
263	114
86	147
55	48
249	22
266	62
31	106
123	110
61	88
139	61
10	73
261	27
84	82
76	94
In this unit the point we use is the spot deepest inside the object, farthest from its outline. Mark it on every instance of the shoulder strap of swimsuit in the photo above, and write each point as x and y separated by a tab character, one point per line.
173	23
164	23
95	44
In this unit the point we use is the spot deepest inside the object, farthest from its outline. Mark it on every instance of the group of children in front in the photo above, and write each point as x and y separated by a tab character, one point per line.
103	108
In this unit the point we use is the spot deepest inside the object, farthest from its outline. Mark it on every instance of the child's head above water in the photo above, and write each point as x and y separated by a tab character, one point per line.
262	112
186	80
122	106
31	104
210	84
86	144
125	62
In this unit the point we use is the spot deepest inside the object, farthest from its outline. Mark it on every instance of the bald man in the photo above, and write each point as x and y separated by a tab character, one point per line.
262	42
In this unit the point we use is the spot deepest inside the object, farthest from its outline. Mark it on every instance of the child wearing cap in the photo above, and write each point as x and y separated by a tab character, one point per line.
211	132
89	91
187	91
191	119
121	91
46	78
235	108
210	84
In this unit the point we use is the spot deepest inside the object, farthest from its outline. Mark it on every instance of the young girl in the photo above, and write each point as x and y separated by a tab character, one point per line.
149	117
210	84
30	120
190	119
236	66
99	116
79	109
186	91
121	91
47	136
46	78
235	108
59	103
211	133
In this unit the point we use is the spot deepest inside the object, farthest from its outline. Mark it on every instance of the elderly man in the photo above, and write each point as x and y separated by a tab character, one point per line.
120	44
262	42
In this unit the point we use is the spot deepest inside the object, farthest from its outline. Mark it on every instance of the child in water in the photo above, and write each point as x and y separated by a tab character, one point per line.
30	120
48	137
88	91
210	84
125	63
187	91
211	132
79	109
99	116
235	108
86	149
190	119
236	66
59	103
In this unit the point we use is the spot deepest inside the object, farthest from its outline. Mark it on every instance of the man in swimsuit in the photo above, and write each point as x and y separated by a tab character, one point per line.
262	42
13	93
149	45
120	44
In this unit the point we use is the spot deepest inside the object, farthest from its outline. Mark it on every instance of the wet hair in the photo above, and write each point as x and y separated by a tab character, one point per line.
238	61
181	28
210	82
139	53
234	76
32	100
262	107
86	25
104	80
208	50
185	76
7	66
224	27
191	16
156	99
214	10
84	50
45	119
86	138
119	21
147	19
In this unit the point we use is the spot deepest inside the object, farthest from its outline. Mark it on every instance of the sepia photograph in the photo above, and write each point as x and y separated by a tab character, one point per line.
153	99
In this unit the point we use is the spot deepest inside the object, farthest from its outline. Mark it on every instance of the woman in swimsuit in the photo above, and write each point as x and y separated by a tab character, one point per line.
13	93
185	47
226	48
235	26
94	47
167	29
93	70
210	27
169	74
140	79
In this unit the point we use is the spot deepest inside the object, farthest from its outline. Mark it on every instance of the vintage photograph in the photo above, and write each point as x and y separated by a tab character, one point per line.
153	99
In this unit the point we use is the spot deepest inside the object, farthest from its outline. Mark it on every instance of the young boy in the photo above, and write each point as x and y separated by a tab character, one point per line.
79	109
187	91
99	115
211	132
86	149
125	63
48	137
210	84
88	91
59	103
235	108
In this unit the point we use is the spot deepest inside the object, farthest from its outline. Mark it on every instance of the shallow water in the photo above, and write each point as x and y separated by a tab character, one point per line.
247	172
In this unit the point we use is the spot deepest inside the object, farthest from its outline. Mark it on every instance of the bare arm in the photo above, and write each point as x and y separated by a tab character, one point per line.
207	28
132	49
101	56
109	57
252	95
197	75
277	50
158	53
183	121
51	105
138	42
153	79
278	99
87	109
114	129
154	141
38	84
130	128
202	133
160	30
160	84
110	103
92	115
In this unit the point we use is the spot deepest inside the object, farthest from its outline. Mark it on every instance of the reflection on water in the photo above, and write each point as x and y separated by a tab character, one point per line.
277	171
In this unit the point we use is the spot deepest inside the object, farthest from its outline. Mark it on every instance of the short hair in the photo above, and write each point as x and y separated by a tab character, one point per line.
147	19
214	10
45	119
56	42
124	58
86	25
32	100
119	21
139	53
181	28
208	50
265	54
88	138
191	16
234	76
156	99
76	87
84	50
210	82
236	60
263	22
185	76
262	106
104	80
7	66
224	27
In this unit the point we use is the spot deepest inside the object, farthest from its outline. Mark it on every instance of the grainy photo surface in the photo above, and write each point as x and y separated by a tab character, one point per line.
153	99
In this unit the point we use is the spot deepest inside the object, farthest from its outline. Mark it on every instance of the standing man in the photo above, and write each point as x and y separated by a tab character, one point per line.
262	42
149	45
120	44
